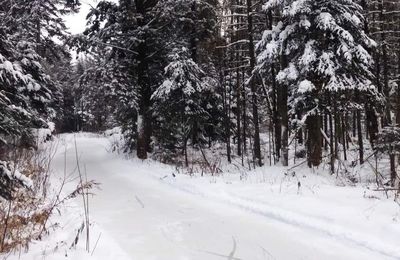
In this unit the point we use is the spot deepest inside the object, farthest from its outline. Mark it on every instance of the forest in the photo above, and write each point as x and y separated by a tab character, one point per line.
295	84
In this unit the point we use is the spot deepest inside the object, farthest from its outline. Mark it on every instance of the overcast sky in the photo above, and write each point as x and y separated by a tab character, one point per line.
77	22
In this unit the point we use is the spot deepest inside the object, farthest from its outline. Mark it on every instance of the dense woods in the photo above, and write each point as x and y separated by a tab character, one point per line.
275	104
32	72
270	80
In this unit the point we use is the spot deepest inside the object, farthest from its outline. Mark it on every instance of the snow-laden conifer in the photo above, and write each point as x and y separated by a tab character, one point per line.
323	53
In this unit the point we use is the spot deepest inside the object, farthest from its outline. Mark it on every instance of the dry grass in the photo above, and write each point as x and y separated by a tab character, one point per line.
25	217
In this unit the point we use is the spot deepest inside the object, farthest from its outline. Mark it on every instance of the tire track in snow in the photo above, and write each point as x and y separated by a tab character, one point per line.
294	219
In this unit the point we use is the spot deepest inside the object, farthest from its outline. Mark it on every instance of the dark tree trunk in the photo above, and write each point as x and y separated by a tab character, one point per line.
285	126
398	91
237	36
344	131
372	123
387	118
2	151
326	128
144	127
360	138
193	52
227	125
144	118
314	149
253	86
332	150
354	128
300	138
244	107
275	114
277	124
238	112
283	112
393	176
337	130
185	152
226	121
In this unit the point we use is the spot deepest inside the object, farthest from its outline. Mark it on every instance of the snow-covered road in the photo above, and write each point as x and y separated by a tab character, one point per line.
144	213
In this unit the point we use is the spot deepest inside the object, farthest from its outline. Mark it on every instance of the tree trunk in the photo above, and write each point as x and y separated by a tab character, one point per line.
344	131
238	112
141	138
227	127
2	151
332	139
276	120
314	149
283	112
300	138
193	54
253	87
237	36
285	127
326	129
372	123
244	107
144	127
337	130
385	63
360	137
354	128
398	92
393	176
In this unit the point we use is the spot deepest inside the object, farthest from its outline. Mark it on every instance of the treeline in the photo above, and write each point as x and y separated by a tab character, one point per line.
31	61
226	73
269	79
33	65
318	75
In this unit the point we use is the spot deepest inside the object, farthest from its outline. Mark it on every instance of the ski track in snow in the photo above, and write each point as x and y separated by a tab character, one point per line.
298	220
150	216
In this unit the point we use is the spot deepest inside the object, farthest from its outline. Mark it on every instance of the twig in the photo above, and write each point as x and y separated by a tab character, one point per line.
140	202
205	159
95	245
83	195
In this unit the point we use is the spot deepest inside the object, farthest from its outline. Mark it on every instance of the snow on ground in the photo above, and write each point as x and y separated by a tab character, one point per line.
142	211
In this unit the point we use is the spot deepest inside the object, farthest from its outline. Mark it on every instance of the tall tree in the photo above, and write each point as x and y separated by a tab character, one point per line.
179	102
28	34
133	32
334	59
139	37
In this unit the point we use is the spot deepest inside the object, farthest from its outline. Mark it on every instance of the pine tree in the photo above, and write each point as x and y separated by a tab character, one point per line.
132	31
242	26
334	64
138	38
179	102
29	93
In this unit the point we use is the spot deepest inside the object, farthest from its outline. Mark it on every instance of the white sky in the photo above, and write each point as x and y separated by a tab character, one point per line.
77	22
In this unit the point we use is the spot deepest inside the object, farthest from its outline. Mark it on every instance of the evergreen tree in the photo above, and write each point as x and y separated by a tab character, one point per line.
29	89
133	32
323	54
137	38
101	86
179	102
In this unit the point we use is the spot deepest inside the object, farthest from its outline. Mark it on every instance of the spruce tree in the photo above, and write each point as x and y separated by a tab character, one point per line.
137	39
133	32
324	54
179	102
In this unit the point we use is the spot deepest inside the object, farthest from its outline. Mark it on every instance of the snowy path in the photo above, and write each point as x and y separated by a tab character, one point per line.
151	217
